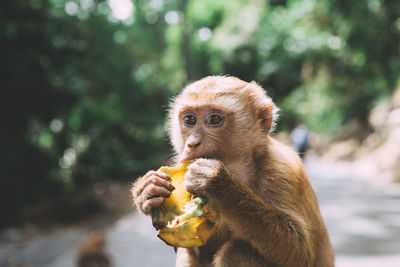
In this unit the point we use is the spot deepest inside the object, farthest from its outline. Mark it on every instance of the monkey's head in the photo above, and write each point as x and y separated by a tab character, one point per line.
220	117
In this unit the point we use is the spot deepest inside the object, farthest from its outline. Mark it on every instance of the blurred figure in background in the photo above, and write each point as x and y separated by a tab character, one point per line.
299	137
92	252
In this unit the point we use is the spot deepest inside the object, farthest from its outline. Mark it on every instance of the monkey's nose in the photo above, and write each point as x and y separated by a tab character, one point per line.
193	144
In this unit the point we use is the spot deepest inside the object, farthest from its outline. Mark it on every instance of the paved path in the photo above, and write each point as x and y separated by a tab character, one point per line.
363	220
362	215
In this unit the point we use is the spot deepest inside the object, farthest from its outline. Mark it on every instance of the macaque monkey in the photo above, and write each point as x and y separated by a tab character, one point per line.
268	210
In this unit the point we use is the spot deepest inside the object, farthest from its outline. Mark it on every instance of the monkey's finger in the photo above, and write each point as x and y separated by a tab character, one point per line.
141	183
153	177
161	182
207	170
192	187
194	183
162	175
155	180
152	203
212	163
203	162
154	190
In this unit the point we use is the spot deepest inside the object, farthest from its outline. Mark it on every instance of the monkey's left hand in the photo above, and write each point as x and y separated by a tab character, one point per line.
200	175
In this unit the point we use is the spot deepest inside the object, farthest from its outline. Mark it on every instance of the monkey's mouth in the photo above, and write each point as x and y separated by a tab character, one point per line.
191	157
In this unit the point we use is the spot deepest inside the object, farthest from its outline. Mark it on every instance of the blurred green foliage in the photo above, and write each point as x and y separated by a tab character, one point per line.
85	83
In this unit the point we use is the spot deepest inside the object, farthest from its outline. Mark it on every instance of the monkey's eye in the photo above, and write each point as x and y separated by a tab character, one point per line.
215	120
190	120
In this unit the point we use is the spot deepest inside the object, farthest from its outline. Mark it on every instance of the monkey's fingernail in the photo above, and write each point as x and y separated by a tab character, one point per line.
158	225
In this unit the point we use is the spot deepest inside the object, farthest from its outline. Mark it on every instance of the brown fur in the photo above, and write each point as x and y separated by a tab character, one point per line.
269	212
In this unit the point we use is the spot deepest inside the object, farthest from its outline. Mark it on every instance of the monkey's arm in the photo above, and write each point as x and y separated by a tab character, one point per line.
280	236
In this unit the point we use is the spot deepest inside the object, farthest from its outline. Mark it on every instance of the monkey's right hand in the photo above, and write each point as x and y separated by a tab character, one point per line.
150	191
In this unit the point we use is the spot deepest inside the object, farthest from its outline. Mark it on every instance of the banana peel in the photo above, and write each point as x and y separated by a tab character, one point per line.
184	220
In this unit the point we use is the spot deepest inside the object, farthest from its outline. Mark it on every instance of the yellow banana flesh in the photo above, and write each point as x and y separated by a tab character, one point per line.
185	220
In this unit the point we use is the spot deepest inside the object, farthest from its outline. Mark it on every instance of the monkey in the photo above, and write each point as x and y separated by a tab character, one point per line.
269	213
92	254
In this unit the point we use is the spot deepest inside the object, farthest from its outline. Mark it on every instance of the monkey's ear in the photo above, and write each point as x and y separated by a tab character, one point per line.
264	114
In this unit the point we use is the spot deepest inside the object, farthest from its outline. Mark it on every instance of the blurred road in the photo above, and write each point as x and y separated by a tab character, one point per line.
363	220
362	215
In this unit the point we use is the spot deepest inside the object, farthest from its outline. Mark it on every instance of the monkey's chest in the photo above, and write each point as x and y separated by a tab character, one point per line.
206	254
238	253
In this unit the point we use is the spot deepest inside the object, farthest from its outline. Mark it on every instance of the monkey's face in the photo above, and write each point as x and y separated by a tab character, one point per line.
203	129
220	118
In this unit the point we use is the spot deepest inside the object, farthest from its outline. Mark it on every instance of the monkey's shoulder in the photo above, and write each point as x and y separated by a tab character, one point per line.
281	171
284	158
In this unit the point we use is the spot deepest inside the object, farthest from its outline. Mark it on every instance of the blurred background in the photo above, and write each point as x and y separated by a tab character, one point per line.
85	86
